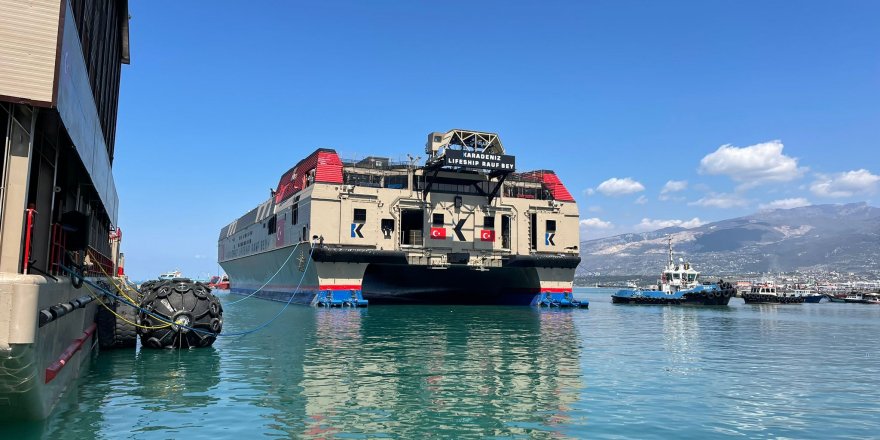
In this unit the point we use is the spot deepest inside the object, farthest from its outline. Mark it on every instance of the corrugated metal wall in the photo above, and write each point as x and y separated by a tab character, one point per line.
28	41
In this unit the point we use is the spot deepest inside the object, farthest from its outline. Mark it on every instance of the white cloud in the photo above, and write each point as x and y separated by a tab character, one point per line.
589	191
845	184
641	200
674	186
721	201
785	204
617	187
594	208
653	224
753	165
595	223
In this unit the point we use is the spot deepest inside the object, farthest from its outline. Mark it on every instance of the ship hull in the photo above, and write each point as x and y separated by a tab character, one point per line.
720	301
356	277
755	298
394	284
40	358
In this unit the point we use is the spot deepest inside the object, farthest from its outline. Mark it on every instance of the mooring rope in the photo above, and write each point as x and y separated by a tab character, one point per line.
270	279
122	318
197	330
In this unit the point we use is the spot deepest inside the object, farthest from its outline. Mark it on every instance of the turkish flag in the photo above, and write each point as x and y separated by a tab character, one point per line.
487	235
438	233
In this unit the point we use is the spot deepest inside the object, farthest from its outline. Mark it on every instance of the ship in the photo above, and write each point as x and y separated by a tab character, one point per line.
462	227
768	293
679	284
60	67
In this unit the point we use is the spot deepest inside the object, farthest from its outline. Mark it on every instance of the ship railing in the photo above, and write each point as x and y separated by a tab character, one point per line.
101	264
58	249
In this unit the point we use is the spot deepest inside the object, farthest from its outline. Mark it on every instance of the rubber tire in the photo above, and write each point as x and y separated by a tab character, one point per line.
114	332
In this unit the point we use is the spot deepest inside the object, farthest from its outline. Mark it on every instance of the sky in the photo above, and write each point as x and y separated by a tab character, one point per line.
653	114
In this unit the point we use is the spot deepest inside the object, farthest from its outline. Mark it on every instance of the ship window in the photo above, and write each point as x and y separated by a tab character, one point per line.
489	221
360	215
295	217
437	219
412	221
273	225
505	231
387	227
676	276
551	225
395	182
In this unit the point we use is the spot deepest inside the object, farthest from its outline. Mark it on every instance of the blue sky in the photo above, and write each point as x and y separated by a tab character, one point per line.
731	107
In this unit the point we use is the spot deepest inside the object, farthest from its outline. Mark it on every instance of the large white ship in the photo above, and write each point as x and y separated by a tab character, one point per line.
461	228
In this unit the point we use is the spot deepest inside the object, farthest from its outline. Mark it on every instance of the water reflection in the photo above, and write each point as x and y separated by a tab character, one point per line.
409	372
439	371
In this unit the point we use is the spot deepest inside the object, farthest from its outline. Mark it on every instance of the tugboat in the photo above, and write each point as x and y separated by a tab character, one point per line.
679	284
863	298
461	228
767	293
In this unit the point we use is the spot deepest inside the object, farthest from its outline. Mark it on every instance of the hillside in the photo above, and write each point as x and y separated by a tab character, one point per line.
844	238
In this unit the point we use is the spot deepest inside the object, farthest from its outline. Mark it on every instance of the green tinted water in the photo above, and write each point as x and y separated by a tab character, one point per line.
614	371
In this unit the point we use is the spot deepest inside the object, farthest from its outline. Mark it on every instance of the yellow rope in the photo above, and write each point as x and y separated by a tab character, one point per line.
112	281
94	295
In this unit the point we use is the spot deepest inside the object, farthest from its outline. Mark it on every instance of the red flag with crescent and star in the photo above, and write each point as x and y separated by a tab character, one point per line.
438	233
487	235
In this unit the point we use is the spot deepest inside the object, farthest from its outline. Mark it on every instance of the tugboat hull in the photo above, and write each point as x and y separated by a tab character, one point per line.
707	295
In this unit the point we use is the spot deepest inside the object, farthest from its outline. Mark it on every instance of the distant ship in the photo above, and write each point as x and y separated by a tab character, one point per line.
863	298
768	293
462	228
170	275
679	284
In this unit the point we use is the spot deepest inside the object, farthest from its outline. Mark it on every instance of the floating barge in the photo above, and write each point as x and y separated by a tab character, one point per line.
60	67
462	228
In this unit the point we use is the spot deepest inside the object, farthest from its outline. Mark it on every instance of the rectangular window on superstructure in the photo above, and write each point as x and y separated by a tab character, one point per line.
551	225
360	215
294	219
273	225
437	219
489	221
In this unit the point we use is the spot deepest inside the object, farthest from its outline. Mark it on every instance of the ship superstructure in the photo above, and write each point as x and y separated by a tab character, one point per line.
464	227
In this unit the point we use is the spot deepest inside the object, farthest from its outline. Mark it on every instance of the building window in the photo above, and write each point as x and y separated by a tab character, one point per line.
437	220
360	215
551	225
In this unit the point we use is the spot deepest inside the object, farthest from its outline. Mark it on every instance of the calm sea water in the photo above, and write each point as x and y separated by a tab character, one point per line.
614	371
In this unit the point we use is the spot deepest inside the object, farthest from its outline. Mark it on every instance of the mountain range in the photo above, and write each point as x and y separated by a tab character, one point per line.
841	238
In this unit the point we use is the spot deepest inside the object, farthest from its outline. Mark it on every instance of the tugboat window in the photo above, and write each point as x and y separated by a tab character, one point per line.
551	225
360	215
437	219
489	221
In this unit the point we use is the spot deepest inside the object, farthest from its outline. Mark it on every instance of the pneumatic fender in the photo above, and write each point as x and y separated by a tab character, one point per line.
180	313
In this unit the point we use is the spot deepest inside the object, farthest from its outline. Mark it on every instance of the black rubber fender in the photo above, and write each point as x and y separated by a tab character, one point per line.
180	301
113	331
